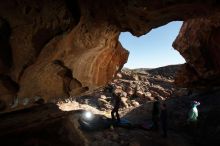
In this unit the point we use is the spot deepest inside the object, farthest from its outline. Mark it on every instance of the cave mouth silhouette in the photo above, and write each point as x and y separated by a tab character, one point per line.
153	49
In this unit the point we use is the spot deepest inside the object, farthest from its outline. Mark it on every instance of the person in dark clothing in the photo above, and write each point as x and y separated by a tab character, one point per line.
189	92
109	88
156	114
163	119
117	99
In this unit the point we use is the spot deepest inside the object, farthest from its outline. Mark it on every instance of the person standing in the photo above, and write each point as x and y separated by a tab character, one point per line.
193	113
156	113
117	101
192	118
163	119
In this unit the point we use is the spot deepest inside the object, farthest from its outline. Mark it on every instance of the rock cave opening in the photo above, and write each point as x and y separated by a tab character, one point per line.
153	49
53	51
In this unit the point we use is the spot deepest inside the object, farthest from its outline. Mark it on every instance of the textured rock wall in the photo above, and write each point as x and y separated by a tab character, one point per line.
62	48
47	52
25	28
198	42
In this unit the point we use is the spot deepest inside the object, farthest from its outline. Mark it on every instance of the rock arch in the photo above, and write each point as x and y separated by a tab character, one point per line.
83	35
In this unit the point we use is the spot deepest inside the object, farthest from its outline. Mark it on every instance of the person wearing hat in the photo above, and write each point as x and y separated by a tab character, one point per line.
193	113
192	118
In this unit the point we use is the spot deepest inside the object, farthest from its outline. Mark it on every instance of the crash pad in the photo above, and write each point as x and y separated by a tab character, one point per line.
125	123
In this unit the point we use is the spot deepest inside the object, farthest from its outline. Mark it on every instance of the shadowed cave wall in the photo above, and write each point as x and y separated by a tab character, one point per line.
62	48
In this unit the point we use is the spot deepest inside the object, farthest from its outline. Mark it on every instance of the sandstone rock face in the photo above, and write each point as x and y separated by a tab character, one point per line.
52	53
62	48
198	44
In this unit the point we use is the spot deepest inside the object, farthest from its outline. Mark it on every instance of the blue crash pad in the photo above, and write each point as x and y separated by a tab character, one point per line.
123	123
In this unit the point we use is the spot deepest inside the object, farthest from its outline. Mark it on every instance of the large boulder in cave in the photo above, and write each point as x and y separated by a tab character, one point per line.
62	48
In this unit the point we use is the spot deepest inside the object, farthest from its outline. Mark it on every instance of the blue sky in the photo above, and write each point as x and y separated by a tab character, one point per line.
153	49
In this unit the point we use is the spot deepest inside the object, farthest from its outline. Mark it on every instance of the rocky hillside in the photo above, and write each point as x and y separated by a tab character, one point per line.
137	87
167	71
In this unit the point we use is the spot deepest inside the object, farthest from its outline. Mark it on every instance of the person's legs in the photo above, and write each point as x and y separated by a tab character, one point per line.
117	115
192	130
112	114
164	128
155	122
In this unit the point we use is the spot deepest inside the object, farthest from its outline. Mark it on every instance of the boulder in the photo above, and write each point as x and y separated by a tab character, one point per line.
154	94
147	94
103	97
130	91
118	75
140	93
118	89
150	98
160	90
124	94
124	102
135	77
134	103
101	102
